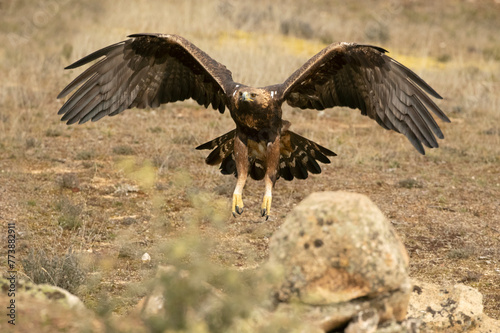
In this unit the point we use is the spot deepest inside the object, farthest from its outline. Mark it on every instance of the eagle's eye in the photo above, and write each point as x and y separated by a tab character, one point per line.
253	94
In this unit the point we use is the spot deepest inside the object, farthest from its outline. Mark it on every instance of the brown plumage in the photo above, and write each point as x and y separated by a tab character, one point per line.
152	69
298	156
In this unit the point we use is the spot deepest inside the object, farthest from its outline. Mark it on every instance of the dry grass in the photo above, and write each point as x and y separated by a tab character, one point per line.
115	189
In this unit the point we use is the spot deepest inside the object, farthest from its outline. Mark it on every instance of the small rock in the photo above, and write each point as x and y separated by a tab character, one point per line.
457	308
146	258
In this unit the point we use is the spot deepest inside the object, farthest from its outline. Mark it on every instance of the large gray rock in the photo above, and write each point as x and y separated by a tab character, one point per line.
340	256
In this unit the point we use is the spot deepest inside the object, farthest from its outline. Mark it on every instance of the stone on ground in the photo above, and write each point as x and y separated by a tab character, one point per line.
340	256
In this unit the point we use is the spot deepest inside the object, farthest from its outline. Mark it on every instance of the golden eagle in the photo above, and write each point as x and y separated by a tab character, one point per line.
151	69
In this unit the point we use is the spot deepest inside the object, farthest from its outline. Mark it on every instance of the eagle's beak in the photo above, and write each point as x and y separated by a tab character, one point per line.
246	97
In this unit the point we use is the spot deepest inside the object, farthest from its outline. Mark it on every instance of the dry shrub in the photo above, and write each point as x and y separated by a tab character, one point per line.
63	271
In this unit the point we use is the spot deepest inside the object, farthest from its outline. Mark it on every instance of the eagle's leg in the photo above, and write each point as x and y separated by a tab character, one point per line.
241	158
272	158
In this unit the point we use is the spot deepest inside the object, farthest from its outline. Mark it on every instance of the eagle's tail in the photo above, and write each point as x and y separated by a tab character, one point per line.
222	152
298	156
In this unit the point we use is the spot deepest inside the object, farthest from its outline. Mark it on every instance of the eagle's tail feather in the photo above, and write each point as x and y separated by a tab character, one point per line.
298	156
223	149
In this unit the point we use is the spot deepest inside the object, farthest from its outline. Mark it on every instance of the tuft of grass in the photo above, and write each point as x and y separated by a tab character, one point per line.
70	215
68	180
85	155
394	165
444	57
156	130
410	183
31	142
186	138
128	251
123	150
297	28
471	276
69	221
63	271
492	52
52	133
460	253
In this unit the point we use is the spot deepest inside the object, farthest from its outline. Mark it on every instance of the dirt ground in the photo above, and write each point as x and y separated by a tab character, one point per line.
110	191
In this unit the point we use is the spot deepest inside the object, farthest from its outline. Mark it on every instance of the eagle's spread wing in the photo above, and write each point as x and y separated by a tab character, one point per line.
145	71
363	77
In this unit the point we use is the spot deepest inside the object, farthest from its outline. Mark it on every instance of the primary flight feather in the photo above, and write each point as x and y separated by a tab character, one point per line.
152	69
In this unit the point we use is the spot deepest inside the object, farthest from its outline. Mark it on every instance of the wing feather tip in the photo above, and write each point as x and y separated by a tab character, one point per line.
418	146
146	34
71	121
206	145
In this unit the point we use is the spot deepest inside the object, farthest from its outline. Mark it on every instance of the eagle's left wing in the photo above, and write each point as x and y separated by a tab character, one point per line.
145	71
363	77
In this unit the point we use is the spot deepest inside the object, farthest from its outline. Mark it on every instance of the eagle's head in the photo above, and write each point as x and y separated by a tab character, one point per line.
246	96
252	97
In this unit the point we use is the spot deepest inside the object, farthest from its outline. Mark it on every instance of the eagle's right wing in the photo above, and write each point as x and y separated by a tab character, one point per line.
363	77
145	71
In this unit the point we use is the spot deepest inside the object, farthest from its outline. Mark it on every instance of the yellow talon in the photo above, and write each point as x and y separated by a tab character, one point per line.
237	204
266	206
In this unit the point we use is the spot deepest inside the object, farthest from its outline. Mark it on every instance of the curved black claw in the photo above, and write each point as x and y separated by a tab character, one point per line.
266	206
237	205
